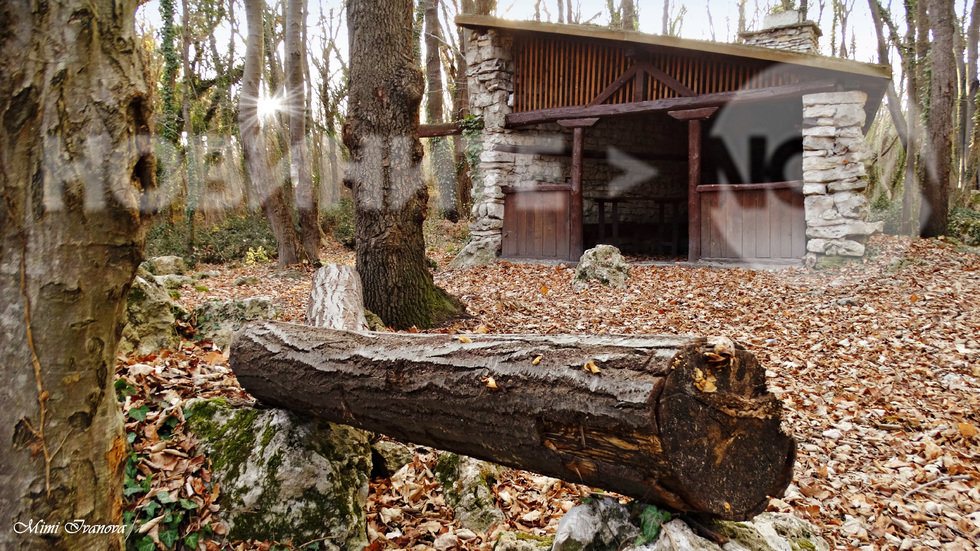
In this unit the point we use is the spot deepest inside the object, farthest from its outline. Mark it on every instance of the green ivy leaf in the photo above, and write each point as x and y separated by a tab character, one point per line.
190	540
139	413
188	504
151	509
146	544
169	537
165	498
131	437
132	490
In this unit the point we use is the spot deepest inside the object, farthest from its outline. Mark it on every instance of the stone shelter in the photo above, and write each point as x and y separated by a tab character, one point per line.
666	146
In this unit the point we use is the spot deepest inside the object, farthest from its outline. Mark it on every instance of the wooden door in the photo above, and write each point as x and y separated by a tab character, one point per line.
752	222
536	223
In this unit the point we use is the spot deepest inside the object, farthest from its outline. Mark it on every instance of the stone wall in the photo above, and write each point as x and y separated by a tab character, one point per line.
490	75
785	30
834	175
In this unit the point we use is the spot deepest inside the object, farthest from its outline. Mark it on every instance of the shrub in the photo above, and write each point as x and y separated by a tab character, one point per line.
220	243
338	220
964	224
889	211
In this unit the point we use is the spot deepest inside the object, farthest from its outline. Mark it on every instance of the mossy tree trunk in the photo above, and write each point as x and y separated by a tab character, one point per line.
442	161
76	165
390	198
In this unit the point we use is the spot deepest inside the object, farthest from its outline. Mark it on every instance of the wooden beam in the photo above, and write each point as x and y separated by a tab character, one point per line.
668	80
792	184
586	153
613	87
693	197
575	208
690	114
668	104
441	129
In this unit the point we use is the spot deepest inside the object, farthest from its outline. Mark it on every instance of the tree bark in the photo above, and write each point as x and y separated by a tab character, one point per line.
390	198
664	419
76	166
267	187
336	299
307	201
894	103
939	123
442	161
973	93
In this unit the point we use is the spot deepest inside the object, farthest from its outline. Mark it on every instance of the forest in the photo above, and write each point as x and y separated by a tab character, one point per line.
189	187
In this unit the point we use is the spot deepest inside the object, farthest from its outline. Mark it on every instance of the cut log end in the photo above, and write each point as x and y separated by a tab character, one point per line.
682	422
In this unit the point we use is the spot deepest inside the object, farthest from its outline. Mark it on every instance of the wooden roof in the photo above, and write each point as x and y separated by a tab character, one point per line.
561	69
673	44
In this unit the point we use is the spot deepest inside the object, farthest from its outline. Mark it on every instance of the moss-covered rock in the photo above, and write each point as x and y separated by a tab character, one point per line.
519	541
283	476
605	264
217	321
774	532
150	316
468	489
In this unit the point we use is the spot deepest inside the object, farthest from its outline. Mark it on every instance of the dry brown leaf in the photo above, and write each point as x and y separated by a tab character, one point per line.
591	367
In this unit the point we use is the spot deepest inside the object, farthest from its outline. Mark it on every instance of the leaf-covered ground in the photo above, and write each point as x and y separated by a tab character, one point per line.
877	363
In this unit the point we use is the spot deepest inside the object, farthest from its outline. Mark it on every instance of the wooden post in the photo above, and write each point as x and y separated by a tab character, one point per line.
693	118
575	214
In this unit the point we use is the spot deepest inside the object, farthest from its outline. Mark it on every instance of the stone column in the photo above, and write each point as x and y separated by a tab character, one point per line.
834	175
490	74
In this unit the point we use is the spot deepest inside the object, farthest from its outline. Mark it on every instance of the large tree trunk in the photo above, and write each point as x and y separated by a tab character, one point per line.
75	155
389	195
267	187
442	161
672	420
307	202
939	124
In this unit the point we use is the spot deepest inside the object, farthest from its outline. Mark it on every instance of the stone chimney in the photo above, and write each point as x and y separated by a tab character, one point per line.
785	30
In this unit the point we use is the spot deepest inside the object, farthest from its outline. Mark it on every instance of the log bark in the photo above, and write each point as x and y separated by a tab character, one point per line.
665	419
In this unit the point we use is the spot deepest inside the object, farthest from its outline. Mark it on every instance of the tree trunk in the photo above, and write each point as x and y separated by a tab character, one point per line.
389	195
664	419
267	186
442	161
77	165
307	202
939	124
894	103
973	97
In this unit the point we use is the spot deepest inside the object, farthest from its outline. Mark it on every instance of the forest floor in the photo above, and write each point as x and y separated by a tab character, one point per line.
877	364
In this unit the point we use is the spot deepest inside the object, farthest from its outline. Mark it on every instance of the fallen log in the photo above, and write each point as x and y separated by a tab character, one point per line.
682	422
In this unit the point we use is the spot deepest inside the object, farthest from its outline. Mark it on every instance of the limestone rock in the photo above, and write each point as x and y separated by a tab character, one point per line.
836	247
247	280
389	456
217	321
516	541
174	281
845	229
163	265
467	485
475	253
772	532
599	525
150	317
283	476
603	263
682	537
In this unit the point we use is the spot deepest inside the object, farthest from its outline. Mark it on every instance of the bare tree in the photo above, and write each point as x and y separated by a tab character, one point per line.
939	125
268	187
442	161
307	201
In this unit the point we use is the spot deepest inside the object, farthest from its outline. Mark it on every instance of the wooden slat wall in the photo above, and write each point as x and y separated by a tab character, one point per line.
753	224
563	72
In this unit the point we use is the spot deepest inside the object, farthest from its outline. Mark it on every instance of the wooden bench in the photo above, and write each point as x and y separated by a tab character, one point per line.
674	226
